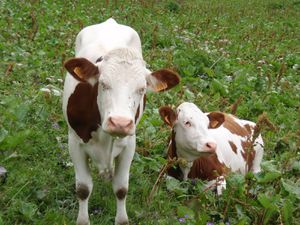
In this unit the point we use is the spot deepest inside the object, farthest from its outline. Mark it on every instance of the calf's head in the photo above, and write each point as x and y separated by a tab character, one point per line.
191	126
122	80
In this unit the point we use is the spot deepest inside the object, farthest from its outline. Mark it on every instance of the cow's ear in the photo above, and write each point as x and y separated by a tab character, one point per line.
168	115
162	80
216	119
81	69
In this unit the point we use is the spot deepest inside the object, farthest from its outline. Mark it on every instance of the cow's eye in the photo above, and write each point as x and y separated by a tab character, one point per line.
105	86
187	124
141	90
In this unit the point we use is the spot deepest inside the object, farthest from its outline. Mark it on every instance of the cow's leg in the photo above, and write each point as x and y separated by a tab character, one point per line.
259	151
186	170
221	184
84	184
218	185
121	179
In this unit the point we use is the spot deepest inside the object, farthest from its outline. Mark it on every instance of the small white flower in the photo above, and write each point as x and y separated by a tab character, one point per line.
47	90
69	164
295	66
56	92
261	61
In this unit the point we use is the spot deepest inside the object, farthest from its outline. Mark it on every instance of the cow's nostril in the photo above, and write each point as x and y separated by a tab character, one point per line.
130	123
211	146
111	121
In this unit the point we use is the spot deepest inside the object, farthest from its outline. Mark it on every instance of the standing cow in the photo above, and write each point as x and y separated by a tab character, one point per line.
211	143
103	101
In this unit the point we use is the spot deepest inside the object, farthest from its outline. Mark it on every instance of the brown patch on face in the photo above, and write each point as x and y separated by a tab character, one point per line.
234	127
137	114
82	191
207	168
168	78
248	154
233	146
121	193
82	110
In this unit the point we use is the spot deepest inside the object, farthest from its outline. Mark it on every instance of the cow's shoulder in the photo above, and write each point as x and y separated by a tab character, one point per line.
236	126
82	110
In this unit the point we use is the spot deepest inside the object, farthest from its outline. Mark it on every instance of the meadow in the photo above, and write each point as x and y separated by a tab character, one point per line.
235	56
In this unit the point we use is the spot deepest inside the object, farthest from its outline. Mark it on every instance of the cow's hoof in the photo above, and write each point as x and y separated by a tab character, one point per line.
82	222
122	223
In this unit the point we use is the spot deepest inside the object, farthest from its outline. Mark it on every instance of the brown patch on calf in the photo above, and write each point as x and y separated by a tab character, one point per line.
249	128
121	193
248	154
233	146
234	127
82	191
82	110
207	168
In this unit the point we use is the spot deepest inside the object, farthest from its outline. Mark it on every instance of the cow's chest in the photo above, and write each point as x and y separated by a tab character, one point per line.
102	149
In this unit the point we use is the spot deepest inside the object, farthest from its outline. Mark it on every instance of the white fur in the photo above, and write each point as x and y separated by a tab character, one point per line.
122	83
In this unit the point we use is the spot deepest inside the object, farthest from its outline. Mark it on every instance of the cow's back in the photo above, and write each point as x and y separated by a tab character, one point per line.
103	37
236	148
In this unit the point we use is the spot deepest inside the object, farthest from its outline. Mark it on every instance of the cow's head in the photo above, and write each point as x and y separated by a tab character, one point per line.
122	80
191	126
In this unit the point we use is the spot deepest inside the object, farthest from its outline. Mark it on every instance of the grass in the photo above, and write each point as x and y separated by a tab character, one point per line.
223	50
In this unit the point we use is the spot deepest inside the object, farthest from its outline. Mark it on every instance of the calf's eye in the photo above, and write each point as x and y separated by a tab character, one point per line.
188	124
141	91
104	86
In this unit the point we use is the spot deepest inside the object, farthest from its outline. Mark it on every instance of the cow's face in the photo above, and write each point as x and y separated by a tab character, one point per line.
122	80
191	128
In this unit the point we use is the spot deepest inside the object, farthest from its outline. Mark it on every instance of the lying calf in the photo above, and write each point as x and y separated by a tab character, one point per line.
211	143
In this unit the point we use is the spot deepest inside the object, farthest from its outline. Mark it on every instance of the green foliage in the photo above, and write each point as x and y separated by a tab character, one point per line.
223	50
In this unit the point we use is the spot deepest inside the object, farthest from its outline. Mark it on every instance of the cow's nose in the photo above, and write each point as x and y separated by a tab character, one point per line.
120	125
211	147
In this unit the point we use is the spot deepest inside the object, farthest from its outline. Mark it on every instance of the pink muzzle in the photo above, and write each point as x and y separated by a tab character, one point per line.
120	126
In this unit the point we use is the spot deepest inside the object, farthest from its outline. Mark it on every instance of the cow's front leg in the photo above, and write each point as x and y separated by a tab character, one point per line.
186	169
120	182
84	184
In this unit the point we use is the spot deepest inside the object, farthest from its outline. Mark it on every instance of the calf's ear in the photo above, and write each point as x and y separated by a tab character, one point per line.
168	115
162	80
216	119
81	69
